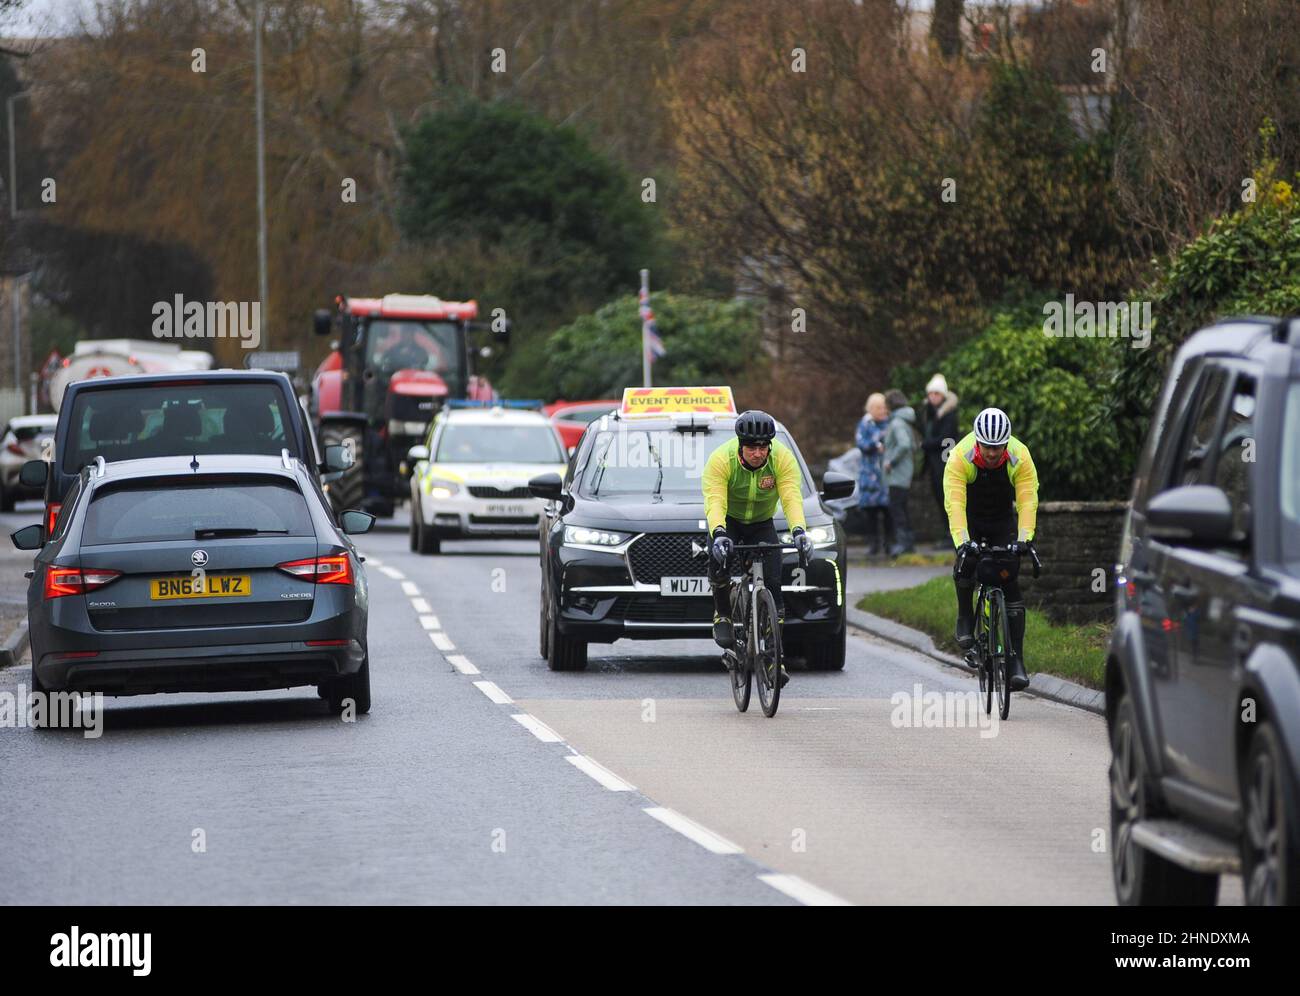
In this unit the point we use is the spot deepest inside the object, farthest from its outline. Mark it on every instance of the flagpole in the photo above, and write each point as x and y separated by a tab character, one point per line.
645	326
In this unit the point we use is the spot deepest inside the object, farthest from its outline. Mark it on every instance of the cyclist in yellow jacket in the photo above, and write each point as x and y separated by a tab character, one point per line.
744	478
990	492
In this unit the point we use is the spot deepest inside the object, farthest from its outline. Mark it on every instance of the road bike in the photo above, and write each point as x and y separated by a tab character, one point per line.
756	653
991	653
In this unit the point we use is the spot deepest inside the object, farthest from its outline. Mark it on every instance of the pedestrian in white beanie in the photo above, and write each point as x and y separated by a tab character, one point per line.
939	419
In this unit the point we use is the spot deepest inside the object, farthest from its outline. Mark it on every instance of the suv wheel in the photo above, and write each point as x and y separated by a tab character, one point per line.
544	629
564	653
1270	853
1143	878
422	538
826	653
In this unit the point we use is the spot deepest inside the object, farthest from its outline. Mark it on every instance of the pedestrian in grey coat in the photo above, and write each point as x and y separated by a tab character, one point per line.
900	446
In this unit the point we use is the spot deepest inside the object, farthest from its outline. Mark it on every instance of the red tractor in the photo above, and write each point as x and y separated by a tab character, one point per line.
398	359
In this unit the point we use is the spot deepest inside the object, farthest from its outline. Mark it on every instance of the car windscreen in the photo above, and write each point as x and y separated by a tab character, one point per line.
182	419
629	461
477	443
180	508
1290	480
584	416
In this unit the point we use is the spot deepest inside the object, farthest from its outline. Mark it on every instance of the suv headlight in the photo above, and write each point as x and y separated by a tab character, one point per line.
582	536
818	534
439	488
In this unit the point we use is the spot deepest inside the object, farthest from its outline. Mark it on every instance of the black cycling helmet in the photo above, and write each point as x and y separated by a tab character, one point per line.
755	428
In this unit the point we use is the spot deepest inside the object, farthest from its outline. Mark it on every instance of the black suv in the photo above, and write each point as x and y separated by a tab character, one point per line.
1203	671
623	541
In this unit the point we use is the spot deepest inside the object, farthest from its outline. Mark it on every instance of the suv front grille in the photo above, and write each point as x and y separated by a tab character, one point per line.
658	555
638	608
488	491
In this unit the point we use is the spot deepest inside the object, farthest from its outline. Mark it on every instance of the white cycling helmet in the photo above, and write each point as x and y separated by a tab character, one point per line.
992	427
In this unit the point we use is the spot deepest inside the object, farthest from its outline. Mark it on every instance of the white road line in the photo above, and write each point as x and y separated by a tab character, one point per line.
392	572
374	562
805	892
462	664
442	641
603	775
421	606
430	622
490	689
689	828
537	728
410	589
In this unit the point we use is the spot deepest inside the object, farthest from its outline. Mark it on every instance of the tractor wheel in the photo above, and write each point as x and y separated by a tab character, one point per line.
348	490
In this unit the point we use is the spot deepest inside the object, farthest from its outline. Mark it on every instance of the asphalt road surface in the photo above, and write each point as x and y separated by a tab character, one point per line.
480	776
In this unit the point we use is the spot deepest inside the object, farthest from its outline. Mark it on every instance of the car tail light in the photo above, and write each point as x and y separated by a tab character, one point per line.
51	517
322	570
15	449
60	581
328	643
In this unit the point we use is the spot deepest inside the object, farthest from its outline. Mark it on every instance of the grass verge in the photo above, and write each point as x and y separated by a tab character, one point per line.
1074	652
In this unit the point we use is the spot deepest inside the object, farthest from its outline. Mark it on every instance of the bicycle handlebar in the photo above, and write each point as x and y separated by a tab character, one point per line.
1019	549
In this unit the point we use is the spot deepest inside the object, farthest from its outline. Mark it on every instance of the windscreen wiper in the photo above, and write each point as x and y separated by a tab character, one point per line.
221	532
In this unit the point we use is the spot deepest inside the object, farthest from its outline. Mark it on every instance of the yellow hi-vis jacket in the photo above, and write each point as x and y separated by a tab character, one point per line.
961	470
751	495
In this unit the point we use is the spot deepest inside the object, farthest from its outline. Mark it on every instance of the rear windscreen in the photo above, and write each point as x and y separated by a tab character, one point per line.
176	420
160	510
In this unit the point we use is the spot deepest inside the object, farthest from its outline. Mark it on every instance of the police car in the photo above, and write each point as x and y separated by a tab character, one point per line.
623	537
469	478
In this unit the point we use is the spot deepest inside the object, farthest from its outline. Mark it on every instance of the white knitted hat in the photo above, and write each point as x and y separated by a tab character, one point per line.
937	383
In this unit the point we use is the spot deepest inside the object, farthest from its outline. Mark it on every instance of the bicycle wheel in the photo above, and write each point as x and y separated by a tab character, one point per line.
765	643
1002	663
982	653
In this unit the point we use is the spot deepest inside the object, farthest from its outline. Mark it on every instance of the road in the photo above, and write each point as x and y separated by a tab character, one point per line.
482	777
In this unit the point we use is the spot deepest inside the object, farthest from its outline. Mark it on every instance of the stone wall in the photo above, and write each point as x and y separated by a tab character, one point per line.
1075	539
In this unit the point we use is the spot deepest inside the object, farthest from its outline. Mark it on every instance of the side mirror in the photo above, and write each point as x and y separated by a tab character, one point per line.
417	453
355	522
34	473
321	320
836	485
29	537
338	458
546	486
1193	515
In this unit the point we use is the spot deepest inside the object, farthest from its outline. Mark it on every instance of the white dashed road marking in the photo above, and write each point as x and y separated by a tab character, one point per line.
441	641
537	728
602	774
490	689
462	664
805	892
689	828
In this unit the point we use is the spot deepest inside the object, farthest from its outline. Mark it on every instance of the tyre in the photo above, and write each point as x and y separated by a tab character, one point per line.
1000	626
39	689
351	687
7	499
826	653
563	652
348	490
543	628
1142	877
982	659
423	541
413	534
765	649
1270	841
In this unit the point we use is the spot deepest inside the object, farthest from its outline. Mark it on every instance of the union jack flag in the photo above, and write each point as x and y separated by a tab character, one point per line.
649	330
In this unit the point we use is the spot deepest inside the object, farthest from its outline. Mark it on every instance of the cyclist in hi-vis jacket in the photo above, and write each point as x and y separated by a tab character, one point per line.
990	492
743	480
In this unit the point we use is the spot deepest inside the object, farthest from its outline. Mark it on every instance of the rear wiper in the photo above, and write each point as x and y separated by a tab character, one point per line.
220	532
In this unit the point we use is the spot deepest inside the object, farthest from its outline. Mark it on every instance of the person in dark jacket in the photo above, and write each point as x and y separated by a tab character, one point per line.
899	445
940	433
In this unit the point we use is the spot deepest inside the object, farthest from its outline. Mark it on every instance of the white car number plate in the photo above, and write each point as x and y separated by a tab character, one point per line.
506	510
684	586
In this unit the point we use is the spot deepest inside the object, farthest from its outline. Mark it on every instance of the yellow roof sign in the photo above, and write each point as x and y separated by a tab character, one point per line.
665	400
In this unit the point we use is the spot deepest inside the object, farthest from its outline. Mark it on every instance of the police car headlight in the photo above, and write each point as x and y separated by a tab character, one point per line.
593	537
817	534
443	489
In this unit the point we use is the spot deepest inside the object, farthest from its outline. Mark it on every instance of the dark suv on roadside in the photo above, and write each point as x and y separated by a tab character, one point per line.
1203	670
